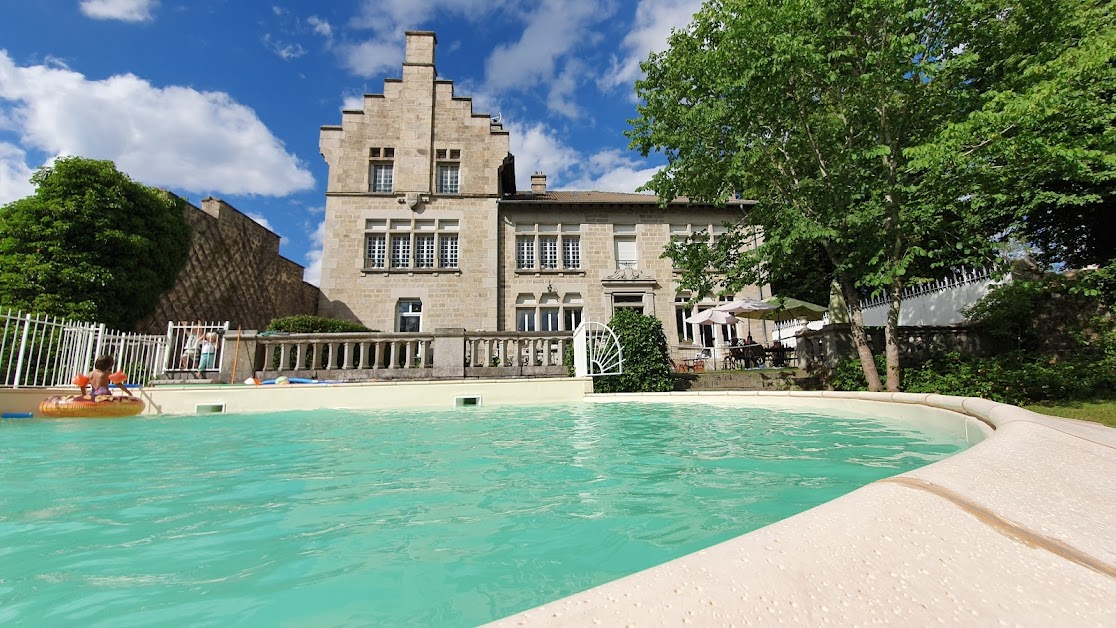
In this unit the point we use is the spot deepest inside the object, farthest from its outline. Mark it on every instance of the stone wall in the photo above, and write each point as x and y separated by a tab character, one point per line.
234	273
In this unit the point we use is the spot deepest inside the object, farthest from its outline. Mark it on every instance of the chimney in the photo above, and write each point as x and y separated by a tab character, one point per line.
538	183
420	48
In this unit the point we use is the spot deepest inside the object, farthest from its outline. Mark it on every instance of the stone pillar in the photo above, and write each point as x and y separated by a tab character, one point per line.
449	352
247	354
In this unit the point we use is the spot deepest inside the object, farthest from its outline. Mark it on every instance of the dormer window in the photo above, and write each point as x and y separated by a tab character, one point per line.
448	170
380	170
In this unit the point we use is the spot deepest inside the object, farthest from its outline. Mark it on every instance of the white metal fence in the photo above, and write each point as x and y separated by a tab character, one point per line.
194	347
934	304
43	351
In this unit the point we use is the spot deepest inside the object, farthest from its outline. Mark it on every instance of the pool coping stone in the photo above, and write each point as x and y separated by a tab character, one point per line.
1017	529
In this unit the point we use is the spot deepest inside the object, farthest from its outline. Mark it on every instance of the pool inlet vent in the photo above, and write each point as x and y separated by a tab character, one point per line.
471	400
209	408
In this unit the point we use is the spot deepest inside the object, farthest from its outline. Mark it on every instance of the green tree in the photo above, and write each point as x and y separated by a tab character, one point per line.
91	244
887	133
1039	136
646	357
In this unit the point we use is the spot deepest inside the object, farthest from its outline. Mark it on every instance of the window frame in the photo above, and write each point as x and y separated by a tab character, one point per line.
428	245
374	181
542	311
532	235
381	157
410	313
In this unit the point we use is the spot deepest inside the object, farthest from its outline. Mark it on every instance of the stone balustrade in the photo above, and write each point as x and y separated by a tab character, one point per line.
367	356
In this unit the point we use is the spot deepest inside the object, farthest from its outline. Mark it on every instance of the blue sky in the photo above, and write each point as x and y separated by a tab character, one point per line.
225	97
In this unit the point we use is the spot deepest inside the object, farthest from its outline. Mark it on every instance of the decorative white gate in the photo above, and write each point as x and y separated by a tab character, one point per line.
596	350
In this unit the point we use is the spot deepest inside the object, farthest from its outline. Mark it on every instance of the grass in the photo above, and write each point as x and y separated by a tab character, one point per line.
1098	411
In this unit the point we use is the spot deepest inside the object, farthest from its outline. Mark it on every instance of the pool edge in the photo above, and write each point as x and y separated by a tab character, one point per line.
1013	529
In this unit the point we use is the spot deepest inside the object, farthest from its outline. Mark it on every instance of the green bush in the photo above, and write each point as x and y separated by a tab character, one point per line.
1060	327
850	376
1012	378
1063	313
646	358
306	324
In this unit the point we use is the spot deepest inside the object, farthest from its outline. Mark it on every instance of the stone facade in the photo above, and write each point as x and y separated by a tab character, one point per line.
234	272
415	129
590	252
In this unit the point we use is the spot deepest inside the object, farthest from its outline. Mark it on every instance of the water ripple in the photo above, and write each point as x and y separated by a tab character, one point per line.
446	518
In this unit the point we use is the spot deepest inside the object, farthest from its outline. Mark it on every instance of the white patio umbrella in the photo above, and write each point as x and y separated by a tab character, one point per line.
744	305
748	308
712	316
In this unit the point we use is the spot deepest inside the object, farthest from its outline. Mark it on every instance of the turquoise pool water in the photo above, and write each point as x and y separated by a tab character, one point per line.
446	518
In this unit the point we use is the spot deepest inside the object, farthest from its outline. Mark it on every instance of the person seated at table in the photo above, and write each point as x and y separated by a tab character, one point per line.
749	340
752	353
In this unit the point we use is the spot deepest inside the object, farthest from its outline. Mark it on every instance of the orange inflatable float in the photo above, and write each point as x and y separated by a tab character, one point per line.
93	406
101	406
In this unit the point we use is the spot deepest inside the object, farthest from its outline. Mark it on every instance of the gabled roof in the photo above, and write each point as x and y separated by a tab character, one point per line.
602	198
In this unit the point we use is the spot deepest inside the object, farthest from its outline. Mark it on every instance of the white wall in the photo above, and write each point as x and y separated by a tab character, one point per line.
942	307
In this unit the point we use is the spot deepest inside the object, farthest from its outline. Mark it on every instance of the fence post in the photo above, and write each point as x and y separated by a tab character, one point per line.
170	348
22	346
100	340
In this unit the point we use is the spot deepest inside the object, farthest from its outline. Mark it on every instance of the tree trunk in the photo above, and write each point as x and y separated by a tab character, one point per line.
891	334
856	328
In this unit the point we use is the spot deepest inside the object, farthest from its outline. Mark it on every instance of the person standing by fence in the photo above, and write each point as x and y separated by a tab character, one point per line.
190	347
208	352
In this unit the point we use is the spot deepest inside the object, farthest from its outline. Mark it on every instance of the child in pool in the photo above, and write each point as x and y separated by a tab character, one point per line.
99	378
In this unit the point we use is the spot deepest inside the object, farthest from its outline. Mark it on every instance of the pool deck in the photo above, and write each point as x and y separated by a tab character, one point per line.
1020	529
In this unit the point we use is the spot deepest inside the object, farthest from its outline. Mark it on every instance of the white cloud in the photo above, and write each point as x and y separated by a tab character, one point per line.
612	171
563	89
373	57
538	149
124	10
352	102
313	272
394	16
388	19
320	26
14	174
653	22
174	136
554	30
282	50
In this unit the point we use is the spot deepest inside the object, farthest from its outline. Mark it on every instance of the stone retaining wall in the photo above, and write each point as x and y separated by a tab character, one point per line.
234	273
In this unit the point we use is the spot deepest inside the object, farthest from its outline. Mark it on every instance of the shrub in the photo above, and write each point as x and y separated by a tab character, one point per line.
646	365
1017	377
306	324
1054	313
849	375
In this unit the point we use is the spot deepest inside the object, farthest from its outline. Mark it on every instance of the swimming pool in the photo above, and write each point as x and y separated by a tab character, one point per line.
451	517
